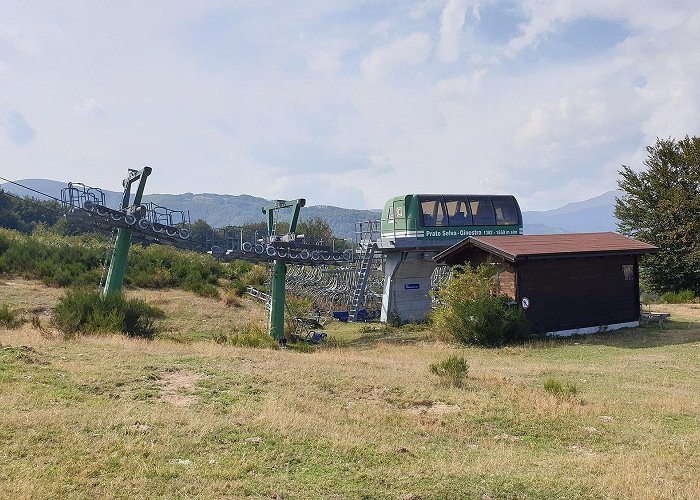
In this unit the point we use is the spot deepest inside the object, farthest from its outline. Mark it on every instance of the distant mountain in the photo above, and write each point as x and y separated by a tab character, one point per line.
219	210
589	216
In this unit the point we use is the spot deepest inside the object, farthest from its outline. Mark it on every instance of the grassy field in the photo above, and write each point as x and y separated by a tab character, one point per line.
360	417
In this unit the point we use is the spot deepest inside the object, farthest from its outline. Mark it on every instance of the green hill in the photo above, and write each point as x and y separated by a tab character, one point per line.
218	210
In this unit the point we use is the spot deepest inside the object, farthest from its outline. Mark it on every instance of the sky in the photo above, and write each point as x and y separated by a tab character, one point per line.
346	102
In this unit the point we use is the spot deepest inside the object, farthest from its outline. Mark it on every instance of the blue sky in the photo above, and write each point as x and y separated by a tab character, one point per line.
346	102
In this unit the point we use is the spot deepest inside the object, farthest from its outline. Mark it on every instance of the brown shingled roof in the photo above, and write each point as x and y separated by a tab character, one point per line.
541	246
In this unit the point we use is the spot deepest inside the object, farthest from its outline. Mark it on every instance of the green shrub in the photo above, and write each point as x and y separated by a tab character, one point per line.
158	266
77	261
87	312
451	371
554	386
200	288
9	318
394	319
250	335
237	268
257	277
239	288
232	299
469	310
53	259
679	297
647	298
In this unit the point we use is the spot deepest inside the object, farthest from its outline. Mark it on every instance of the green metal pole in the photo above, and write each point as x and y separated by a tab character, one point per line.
117	267
279	272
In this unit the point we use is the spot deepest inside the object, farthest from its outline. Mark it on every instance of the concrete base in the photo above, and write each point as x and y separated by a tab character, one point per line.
407	286
592	329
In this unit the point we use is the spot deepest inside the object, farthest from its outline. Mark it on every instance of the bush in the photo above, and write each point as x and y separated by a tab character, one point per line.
159	266
257	277
53	259
469	310
232	299
679	297
394	319
88	312
251	335
9	318
647	298
238	288
451	371
237	268
554	386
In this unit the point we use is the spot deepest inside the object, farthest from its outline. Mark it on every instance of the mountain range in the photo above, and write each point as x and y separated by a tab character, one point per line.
219	210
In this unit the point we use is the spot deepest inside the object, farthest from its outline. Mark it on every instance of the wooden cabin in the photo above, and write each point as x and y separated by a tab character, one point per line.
567	283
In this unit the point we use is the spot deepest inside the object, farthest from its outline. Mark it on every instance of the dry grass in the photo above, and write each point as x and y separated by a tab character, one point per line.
190	317
360	417
30	297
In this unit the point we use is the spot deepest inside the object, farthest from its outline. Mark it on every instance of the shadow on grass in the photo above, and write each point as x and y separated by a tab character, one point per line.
646	336
673	332
371	335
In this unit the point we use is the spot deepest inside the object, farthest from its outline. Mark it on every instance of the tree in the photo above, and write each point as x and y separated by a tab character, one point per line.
661	206
200	235
8	214
315	230
23	214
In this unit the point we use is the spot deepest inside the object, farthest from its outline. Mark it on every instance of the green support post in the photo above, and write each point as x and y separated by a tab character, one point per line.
279	270
279	273
117	266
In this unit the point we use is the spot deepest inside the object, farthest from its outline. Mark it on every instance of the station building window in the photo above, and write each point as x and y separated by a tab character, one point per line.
433	212
458	210
482	211
505	210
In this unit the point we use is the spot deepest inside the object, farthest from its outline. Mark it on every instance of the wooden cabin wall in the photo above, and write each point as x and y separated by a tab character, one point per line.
579	292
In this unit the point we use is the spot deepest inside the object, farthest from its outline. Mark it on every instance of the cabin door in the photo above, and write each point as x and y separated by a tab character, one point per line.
399	217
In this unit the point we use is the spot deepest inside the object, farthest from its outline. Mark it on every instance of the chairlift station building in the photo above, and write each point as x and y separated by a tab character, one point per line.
416	227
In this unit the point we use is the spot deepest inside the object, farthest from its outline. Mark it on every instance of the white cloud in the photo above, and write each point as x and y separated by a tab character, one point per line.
451	24
407	51
325	61
266	99
460	86
20	40
88	106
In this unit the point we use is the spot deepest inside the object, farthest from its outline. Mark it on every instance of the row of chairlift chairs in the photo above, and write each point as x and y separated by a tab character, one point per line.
328	274
149	220
325	273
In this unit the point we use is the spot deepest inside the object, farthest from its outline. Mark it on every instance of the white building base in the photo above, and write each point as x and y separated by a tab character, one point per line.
592	329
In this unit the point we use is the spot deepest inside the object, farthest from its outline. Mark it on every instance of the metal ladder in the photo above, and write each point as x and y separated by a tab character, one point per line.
108	255
265	297
363	273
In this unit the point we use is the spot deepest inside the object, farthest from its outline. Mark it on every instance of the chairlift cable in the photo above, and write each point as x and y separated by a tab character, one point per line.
30	189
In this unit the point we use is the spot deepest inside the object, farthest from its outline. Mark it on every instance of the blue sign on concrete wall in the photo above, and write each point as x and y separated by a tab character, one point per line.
411	286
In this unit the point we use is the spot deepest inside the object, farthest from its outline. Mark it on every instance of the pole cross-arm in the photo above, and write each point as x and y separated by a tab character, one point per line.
295	205
135	175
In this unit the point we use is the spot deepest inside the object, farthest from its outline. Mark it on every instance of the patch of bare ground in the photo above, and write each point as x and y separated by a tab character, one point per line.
177	387
649	358
29	296
431	408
